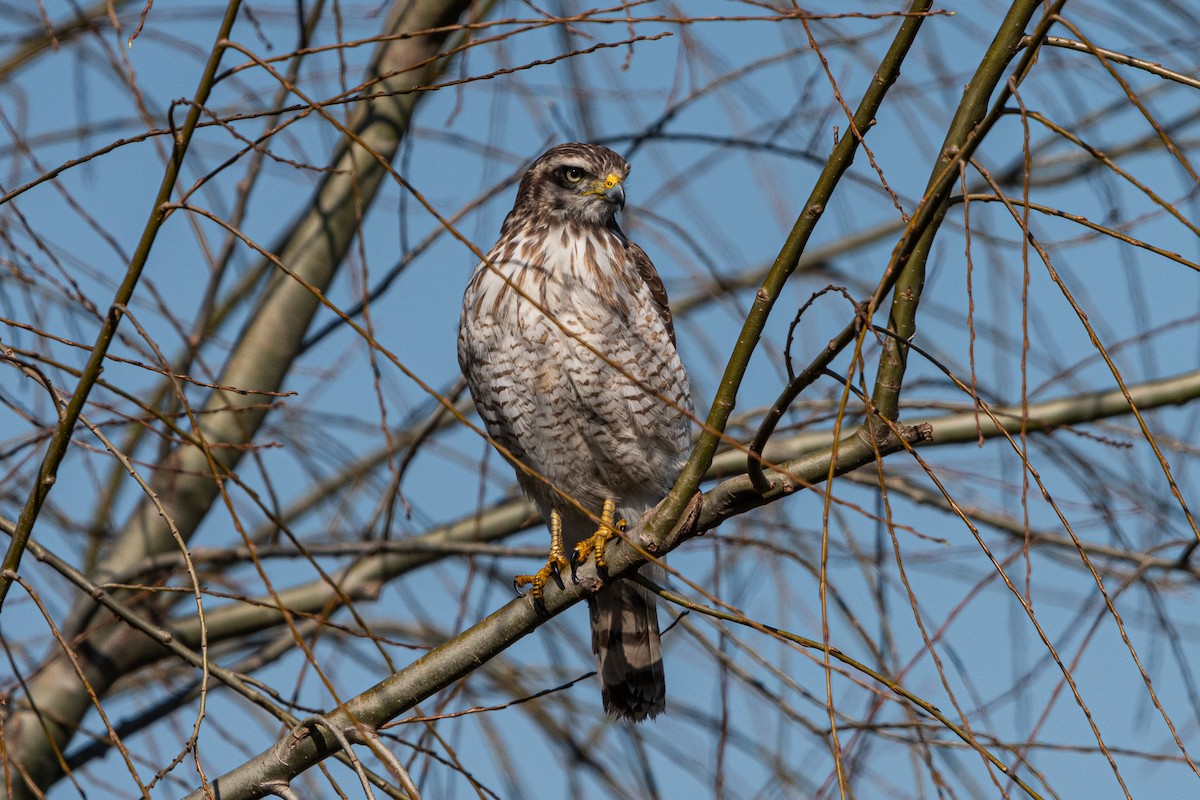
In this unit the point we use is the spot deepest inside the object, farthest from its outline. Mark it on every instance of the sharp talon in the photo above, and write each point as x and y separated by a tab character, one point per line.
610	528
553	567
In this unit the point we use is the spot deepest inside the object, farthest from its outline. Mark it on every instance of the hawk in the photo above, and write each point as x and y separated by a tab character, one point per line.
568	347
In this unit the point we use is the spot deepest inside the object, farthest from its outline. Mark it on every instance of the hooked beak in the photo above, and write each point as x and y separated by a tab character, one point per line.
616	194
611	189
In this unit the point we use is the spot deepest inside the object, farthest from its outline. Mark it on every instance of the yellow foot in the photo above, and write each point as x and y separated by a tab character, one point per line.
555	564
598	541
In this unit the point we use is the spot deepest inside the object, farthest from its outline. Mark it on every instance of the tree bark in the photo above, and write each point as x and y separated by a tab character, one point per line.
42	722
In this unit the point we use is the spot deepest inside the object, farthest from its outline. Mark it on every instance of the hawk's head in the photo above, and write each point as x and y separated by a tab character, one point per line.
574	182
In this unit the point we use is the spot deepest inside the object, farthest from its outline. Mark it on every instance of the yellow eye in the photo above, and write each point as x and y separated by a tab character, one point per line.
573	174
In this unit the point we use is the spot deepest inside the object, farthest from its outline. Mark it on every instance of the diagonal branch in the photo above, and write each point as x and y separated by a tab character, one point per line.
785	263
59	443
262	359
973	119
810	466
905	274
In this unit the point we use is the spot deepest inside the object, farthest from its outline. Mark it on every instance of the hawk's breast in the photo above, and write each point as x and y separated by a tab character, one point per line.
572	366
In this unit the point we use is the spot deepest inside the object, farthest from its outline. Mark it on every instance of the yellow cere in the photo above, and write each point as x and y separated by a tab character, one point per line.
611	181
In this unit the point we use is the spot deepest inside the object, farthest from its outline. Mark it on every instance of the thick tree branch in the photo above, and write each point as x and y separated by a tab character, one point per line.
188	484
809	466
366	578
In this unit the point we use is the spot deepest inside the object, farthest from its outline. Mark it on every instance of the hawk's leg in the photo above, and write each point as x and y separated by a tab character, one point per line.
598	541
556	562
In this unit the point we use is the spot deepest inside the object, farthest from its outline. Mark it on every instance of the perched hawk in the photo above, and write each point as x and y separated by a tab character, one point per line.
567	343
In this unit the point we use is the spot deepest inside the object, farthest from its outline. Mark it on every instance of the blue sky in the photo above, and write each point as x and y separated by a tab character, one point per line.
698	205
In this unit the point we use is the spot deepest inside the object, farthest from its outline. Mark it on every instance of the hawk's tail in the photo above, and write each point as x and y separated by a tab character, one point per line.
628	651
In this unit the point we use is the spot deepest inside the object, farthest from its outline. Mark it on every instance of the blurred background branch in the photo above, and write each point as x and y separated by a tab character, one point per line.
274	504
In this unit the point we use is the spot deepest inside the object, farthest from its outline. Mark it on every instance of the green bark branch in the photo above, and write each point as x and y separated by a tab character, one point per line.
905	274
785	263
969	127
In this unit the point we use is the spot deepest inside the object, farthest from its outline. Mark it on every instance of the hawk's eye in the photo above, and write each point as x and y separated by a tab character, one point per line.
573	174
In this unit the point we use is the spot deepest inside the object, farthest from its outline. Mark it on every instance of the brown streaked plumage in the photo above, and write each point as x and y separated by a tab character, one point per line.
607	427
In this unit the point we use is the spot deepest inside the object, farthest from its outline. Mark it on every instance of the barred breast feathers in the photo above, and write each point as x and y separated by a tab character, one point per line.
580	272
